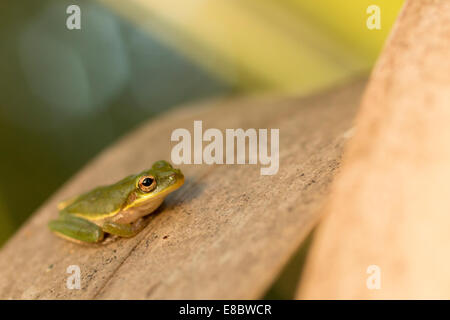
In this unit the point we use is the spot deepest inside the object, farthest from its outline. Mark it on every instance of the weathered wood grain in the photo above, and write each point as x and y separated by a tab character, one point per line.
390	204
225	234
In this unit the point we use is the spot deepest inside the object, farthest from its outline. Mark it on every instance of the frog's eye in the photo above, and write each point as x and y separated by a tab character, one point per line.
147	183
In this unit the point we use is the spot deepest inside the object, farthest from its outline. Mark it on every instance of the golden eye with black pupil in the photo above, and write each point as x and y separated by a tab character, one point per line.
147	183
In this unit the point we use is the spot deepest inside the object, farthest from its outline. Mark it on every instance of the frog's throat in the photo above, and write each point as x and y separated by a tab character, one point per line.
134	213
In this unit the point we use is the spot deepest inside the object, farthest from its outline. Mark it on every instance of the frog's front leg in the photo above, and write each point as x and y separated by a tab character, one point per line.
76	229
126	230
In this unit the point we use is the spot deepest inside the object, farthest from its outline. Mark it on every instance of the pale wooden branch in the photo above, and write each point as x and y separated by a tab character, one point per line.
390	204
226	234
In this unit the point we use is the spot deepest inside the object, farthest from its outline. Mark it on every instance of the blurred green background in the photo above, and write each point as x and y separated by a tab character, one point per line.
67	94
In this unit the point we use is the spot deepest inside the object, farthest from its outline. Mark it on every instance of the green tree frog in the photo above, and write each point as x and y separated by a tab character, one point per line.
116	209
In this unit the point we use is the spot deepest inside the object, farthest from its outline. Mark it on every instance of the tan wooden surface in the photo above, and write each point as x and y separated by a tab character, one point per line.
226	234
390	205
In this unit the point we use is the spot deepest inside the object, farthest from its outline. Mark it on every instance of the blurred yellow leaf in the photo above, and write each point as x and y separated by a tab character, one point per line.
272	45
346	20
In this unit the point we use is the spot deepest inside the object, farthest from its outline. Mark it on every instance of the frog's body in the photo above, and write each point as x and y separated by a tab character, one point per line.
117	208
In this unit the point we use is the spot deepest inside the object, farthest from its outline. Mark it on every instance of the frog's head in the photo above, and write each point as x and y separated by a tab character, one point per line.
157	182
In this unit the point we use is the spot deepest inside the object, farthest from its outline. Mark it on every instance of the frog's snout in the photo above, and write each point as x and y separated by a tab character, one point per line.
178	174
